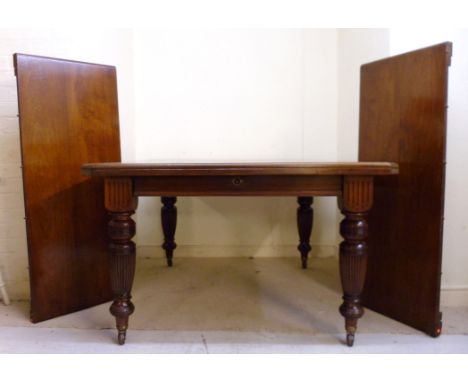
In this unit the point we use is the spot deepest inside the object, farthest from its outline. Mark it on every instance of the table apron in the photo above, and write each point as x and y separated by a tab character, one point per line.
251	185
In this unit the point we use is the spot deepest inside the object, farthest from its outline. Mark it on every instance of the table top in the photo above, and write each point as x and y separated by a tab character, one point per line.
110	169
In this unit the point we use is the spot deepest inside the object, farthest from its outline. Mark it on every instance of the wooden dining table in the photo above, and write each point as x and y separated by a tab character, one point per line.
68	116
351	182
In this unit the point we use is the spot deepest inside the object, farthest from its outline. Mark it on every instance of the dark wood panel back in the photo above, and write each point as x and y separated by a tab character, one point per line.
68	116
403	120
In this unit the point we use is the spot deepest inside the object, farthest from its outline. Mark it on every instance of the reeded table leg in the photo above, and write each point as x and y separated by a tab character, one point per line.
169	222
121	204
305	218
355	203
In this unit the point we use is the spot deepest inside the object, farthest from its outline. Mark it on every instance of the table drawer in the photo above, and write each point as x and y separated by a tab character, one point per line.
237	185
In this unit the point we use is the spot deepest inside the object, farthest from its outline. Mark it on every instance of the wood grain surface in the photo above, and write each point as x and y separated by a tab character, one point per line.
68	116
403	119
220	169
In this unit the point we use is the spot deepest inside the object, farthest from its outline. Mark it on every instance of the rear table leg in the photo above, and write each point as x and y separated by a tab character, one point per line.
305	218
169	222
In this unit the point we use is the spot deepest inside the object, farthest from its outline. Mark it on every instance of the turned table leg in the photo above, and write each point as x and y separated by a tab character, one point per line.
169	222
355	202
121	204
305	218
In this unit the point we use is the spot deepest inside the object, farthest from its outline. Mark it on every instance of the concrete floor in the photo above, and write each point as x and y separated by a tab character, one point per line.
229	305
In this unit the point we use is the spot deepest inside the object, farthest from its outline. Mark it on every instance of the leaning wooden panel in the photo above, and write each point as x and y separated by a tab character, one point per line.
68	116
403	119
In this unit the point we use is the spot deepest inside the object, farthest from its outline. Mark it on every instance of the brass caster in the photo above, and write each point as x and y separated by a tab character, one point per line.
350	339
121	338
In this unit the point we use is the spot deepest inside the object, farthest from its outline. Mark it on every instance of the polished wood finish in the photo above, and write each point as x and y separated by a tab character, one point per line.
351	182
68	115
121	204
238	185
239	169
403	119
305	220
169	223
355	203
224	179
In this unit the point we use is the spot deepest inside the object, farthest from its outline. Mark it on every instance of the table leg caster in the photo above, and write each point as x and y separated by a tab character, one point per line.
304	262
121	337
350	339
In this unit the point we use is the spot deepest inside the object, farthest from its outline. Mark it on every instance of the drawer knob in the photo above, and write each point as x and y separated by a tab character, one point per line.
237	181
